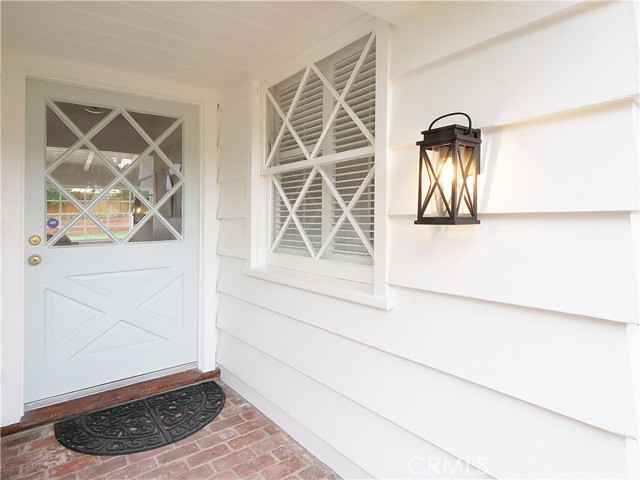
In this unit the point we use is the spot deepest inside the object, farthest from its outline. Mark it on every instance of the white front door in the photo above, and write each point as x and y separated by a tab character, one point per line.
112	193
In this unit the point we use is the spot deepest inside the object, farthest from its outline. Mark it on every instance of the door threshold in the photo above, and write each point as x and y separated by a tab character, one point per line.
107	398
85	392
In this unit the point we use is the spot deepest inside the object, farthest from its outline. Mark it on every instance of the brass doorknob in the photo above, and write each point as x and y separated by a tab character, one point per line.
35	260
34	240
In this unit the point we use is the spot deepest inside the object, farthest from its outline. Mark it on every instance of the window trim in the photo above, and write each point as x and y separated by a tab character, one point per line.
289	225
369	285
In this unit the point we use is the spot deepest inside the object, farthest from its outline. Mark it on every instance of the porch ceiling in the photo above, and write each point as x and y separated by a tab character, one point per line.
205	43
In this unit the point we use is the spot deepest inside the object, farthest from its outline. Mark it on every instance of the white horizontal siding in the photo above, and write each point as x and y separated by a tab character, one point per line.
378	446
483	22
313	443
580	264
506	436
575	366
510	339
585	161
585	59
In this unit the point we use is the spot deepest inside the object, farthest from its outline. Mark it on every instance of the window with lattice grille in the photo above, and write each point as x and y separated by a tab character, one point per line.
319	157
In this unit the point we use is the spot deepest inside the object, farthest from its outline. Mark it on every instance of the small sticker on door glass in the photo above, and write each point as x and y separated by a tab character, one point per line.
52	222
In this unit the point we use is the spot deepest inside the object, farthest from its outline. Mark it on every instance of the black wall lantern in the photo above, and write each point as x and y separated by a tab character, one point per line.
447	182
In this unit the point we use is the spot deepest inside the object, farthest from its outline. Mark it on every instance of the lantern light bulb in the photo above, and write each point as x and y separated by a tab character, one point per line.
446	176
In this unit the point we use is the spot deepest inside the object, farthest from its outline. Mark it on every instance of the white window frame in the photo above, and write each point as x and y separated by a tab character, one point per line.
366	284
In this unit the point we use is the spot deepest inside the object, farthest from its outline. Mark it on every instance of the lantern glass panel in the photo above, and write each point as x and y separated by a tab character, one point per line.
466	181
438	181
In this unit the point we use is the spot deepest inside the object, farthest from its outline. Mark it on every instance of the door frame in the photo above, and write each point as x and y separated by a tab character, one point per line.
16	68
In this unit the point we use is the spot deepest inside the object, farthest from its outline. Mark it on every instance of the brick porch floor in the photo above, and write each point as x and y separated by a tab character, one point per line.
240	443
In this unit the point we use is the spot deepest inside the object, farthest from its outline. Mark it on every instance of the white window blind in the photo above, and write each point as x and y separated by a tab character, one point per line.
320	143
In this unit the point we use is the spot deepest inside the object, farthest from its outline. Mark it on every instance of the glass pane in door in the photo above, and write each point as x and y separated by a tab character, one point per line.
119	136
172	146
114	210
60	210
59	137
83	169
84	231
153	230
153	125
152	177
171	210
101	168
85	117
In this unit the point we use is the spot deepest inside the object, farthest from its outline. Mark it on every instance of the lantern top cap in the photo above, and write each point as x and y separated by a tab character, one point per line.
450	132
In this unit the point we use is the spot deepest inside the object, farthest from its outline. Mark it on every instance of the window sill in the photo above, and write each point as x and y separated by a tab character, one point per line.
355	292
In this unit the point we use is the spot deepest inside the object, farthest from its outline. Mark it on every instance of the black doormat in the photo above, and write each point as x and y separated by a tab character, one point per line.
145	424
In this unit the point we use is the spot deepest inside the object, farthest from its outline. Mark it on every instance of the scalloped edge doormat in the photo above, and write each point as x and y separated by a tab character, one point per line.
144	424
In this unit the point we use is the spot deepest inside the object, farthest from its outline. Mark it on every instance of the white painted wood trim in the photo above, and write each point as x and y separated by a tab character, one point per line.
340	98
319	161
346	211
286	124
383	114
292	212
633	338
257	191
13	248
327	268
343	289
209	228
260	192
17	67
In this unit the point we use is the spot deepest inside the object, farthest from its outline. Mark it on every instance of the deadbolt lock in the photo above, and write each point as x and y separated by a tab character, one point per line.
34	240
35	260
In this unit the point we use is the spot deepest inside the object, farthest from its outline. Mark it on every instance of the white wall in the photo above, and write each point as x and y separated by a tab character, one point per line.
16	66
512	345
